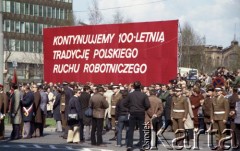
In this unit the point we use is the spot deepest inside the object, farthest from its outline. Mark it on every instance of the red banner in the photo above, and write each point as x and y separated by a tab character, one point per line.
119	53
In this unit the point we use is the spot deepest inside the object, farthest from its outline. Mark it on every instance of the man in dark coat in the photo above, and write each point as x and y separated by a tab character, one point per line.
138	103
28	109
56	109
3	110
232	104
167	112
43	107
68	94
38	115
86	121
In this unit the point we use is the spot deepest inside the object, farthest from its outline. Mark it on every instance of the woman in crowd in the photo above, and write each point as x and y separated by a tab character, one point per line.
74	111
56	110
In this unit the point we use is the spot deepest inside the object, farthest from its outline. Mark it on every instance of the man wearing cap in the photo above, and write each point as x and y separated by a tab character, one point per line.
3	110
219	113
115	98
179	112
207	106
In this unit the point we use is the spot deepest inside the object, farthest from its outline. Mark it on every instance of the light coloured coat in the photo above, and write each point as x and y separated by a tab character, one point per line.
16	108
188	124
108	95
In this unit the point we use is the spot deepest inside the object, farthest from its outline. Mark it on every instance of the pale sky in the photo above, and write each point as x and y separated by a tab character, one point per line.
217	20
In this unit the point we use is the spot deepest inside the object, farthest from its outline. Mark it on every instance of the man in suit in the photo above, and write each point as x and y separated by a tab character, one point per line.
86	121
219	114
3	110
15	112
28	110
152	115
38	115
98	103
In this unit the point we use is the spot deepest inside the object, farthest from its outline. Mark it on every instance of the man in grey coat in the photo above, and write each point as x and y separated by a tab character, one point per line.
16	113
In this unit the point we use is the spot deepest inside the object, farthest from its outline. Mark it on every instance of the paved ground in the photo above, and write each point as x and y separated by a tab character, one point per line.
52	141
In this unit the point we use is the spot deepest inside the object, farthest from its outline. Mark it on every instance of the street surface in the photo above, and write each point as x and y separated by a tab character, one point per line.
52	141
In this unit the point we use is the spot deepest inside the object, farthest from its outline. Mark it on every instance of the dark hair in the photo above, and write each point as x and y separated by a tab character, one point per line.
235	89
86	87
100	89
137	85
76	91
152	92
124	93
14	86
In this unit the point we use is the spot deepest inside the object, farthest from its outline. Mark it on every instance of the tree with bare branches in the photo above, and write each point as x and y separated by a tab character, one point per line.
95	16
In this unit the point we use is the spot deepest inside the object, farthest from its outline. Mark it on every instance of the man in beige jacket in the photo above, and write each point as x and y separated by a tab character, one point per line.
152	114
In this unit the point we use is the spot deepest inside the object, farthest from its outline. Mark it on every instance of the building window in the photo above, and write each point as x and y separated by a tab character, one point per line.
40	11
49	11
31	28
11	46
22	26
44	11
6	25
27	9
31	9
40	46
12	9
26	46
36	28
17	45
57	13
3	6
31	48
36	10
12	26
62	13
26	27
40	29
8	6
17	26
17	8
22	8
22	44
53	12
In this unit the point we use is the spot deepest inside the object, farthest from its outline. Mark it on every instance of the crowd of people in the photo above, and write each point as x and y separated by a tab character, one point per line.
210	102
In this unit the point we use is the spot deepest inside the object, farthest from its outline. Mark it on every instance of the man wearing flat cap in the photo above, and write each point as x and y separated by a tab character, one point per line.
115	98
3	110
219	114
